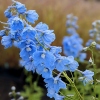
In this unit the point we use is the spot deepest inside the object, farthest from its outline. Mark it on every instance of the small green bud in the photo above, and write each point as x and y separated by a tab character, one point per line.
93	44
90	60
13	88
85	48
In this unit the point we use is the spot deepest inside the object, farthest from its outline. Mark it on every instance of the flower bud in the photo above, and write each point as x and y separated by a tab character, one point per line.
13	88
85	48
10	93
90	60
93	44
18	93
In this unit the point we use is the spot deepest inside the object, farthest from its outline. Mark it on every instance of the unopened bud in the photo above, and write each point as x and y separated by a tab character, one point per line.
13	88
21	98
10	93
85	48
94	24
90	60
18	93
98	81
93	44
13	99
81	78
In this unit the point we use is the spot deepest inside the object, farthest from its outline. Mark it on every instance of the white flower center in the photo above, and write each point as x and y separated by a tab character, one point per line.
28	30
59	61
17	21
28	49
55	81
28	42
43	55
45	70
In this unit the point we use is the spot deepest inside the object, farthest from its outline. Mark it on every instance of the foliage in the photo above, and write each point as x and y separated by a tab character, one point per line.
31	89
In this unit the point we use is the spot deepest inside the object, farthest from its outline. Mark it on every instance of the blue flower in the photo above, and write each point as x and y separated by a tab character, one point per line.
8	12
22	63
9	21
58	97
16	24
23	43
28	64
27	51
51	92
98	46
31	16
2	32
15	35
72	65
44	71
6	41
82	56
56	83
20	8
55	50
44	57
28	33
61	63
48	37
87	77
44	35
47	73
42	26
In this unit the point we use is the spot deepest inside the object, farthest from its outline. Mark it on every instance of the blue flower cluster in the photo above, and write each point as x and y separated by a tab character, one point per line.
87	77
95	34
35	47
72	45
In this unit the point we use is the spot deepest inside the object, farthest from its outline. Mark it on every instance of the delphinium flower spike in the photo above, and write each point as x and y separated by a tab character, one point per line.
36	51
94	34
72	45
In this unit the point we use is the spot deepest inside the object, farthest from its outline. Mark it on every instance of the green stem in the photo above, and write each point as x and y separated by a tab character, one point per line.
67	97
94	67
41	44
14	94
73	85
37	80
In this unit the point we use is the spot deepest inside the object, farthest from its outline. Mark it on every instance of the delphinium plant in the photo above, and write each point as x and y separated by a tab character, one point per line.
73	45
39	56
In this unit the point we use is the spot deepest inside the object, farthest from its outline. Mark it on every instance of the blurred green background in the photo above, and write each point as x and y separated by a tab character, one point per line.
53	13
